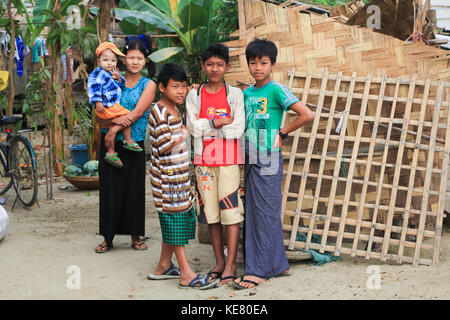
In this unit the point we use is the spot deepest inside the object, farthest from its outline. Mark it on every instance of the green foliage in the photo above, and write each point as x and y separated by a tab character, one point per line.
164	54
34	95
190	20
84	130
60	31
226	19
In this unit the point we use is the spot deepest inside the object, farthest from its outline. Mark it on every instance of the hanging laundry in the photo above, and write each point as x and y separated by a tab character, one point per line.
18	55
67	62
26	51
38	49
70	70
5	45
64	65
45	48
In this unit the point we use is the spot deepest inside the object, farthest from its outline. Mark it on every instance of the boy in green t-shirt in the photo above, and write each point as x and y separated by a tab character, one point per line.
265	103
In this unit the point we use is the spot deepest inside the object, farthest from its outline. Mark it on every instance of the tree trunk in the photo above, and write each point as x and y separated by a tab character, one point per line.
103	24
68	103
57	108
9	109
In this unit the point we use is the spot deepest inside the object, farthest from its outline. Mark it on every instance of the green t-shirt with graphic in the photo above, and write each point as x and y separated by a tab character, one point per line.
264	107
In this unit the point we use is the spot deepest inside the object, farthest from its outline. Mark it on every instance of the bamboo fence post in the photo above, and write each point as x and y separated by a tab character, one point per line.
413	172
337	165
294	146
390	217
440	215
323	160
11	92
430	160
308	160
351	170
368	166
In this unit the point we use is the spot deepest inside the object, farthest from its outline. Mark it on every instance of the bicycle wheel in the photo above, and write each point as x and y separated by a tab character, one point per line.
24	170
5	178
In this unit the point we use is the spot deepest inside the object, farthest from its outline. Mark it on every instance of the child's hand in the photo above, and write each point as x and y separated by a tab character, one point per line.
99	107
116	75
218	123
196	116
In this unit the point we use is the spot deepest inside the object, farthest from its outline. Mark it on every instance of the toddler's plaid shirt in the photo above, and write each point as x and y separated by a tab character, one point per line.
102	88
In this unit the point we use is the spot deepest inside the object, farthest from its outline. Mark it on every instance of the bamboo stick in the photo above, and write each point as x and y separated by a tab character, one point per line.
412	174
427	185
351	170
400	153
368	167
293	148
322	162
338	163
380	182
444	177
308	159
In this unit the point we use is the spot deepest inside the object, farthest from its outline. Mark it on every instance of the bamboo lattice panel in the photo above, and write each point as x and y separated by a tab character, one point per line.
369	174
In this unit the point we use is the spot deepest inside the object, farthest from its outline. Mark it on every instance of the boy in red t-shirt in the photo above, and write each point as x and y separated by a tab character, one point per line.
215	117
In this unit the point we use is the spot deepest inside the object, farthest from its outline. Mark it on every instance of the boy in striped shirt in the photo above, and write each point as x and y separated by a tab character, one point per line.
171	185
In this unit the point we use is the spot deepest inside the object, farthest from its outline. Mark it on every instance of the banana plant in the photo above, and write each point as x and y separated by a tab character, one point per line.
190	20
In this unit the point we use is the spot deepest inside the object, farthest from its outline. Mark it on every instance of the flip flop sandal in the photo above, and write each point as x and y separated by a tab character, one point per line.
102	246
171	273
113	160
217	274
132	147
237	286
200	282
138	246
226	278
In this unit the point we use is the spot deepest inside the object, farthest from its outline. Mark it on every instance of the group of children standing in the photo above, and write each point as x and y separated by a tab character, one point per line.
229	128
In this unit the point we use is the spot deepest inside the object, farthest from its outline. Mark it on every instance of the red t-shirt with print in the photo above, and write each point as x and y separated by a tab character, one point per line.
217	151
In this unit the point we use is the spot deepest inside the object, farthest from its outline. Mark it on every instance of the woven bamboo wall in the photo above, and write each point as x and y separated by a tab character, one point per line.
312	43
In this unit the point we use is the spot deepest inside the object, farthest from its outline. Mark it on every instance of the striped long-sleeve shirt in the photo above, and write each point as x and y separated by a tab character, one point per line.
169	171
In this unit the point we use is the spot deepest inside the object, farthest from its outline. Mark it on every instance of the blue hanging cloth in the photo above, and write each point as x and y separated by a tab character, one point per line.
18	55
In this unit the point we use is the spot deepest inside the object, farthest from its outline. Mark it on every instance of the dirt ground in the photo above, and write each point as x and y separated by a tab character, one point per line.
51	243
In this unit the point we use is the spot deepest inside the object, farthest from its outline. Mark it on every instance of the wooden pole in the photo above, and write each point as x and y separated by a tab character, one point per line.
104	20
57	127
9	108
103	25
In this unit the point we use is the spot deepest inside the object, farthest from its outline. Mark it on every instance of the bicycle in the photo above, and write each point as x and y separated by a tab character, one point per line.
18	164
